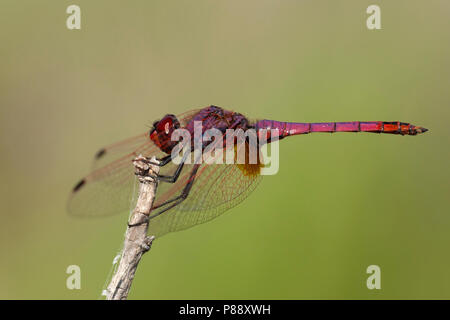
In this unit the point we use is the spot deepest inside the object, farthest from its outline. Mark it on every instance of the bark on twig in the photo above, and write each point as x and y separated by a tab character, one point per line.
136	240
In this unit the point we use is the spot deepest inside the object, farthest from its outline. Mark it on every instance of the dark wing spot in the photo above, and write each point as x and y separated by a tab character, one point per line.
78	185
100	153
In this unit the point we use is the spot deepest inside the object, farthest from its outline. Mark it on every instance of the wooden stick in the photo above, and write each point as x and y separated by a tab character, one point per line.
136	240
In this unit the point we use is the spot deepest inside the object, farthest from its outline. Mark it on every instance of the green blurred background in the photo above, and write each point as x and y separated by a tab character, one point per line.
339	203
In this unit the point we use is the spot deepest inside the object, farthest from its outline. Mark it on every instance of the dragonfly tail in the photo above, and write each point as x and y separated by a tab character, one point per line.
293	128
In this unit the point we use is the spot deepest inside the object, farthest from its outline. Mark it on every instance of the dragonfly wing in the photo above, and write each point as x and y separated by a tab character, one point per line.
115	151
110	188
216	188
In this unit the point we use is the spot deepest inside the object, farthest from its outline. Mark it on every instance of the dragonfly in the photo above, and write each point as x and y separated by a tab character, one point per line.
189	194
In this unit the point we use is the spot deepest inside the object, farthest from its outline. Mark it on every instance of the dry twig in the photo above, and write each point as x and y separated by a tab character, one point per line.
136	240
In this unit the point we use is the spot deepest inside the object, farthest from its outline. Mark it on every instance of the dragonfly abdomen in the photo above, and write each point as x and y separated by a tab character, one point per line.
293	128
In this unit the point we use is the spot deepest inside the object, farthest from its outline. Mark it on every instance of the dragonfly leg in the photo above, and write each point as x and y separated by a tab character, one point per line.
178	199
160	162
172	202
144	220
163	161
173	178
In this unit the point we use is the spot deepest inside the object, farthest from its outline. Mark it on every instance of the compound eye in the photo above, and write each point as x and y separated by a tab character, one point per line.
164	125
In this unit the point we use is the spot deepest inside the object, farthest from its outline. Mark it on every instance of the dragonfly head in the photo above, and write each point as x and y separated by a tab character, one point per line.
162	130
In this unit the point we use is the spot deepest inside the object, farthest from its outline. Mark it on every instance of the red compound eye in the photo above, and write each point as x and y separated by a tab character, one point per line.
162	131
165	125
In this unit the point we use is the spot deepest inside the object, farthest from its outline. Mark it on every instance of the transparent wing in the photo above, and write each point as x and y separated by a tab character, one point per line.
113	152
216	188
111	187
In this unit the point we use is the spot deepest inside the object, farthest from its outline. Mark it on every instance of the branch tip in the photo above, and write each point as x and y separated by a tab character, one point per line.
136	241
